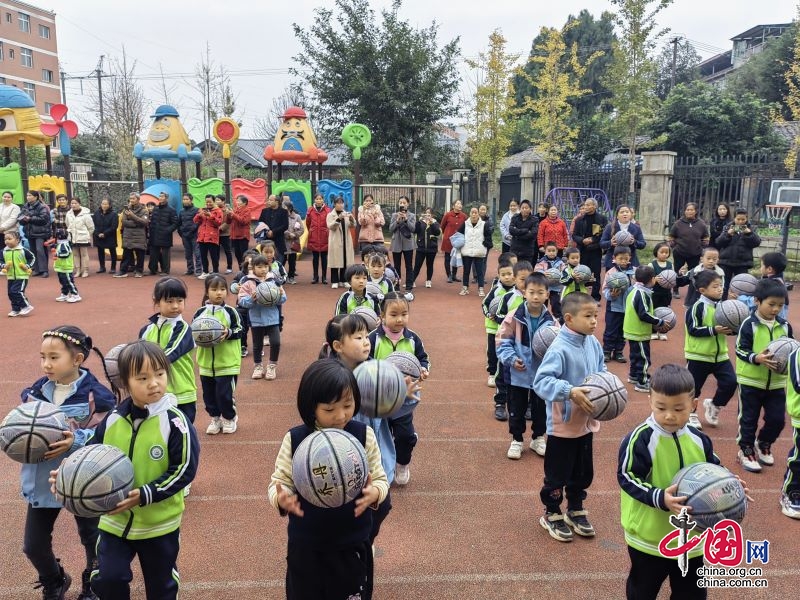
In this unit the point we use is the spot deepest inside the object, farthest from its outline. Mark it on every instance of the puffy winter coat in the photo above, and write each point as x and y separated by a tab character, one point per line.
35	217
317	229
8	217
134	227
688	236
477	238
240	223
371	221
736	247
163	223
451	222
523	235
553	231
209	225
80	226
107	224
187	228
428	236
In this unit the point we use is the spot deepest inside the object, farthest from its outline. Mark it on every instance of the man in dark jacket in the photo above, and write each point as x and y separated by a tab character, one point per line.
35	218
736	244
588	230
276	218
187	229
163	223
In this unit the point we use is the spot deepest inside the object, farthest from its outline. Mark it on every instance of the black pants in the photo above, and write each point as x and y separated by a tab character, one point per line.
274	335
379	516
724	374
518	400
191	252
405	438
41	253
101	258
678	260
791	481
730	273
189	409
244	316
225	247
132	258
291	259
477	262
567	468
218	395
316	259
639	355
613	339
449	271
38	541
554	297
157	557
751	402
337	275
159	257
408	258
506	248
207	248
648	573
594	260
427	258
67	281
491	354
329	574
239	248
16	294
500	385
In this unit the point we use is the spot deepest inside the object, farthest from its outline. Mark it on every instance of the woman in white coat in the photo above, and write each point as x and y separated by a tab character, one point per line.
9	214
340	242
80	227
477	241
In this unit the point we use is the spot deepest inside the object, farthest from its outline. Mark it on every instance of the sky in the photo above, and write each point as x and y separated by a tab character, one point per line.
255	41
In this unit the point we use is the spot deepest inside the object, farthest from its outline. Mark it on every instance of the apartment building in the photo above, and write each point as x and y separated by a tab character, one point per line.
29	53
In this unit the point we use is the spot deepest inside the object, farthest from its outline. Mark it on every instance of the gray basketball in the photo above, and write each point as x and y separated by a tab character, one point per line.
582	273
406	362
383	388
112	368
666	314
542	338
267	293
743	284
28	430
369	315
731	314
781	349
93	480
608	395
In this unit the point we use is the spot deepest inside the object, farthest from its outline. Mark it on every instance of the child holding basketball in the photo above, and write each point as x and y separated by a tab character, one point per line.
84	400
573	355
376	264
761	387
163	446
269	250
662	296
649	458
613	334
570	283
356	275
638	324
238	279
551	260
504	285
708	262
329	552
168	329
706	348
264	320
220	364
515	351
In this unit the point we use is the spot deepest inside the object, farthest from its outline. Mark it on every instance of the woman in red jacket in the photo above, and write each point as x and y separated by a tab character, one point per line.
451	222
209	218
240	228
553	229
318	236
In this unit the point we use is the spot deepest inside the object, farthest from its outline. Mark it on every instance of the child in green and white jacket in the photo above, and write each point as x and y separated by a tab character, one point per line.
63	266
17	265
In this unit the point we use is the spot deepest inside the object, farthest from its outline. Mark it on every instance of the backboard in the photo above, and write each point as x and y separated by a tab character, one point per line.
785	191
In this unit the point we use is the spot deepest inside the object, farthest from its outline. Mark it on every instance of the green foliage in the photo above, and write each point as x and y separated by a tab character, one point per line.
686	67
392	77
791	99
93	149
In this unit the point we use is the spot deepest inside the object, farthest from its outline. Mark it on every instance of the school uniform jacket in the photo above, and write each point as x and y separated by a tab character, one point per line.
639	320
498	291
793	390
702	342
514	340
382	346
175	337
348	302
616	304
18	262
753	338
226	357
570	283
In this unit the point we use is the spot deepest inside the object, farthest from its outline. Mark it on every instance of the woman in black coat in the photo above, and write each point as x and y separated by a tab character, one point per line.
428	232
106	222
524	228
719	222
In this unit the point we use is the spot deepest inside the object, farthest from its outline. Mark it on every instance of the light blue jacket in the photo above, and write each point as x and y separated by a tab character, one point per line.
260	315
515	340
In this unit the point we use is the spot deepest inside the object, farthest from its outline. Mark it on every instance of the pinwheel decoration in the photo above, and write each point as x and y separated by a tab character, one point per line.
63	128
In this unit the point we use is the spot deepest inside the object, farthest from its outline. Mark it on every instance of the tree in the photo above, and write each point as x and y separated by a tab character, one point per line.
686	66
267	127
632	74
217	99
492	120
703	120
791	99
388	75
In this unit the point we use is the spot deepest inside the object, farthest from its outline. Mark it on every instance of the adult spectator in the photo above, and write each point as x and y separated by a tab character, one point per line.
35	218
524	228
687	237
209	219
134	237
240	228
477	241
80	227
58	218
163	223
371	222
451	222
340	243
552	229
402	245
428	232
225	231
719	222
187	229
622	222
106	223
505	221
587	233
276	218
736	246
317	243
9	214
292	236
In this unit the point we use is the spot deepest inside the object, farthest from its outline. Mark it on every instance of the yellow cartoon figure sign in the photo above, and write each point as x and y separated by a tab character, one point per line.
295	140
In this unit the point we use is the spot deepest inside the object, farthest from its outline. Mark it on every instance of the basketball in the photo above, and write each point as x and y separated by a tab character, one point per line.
553	275
731	314
713	492
743	284
608	395
373	289
267	293
93	480
207	331
667	279
539	267
112	369
383	388
542	338
618	281
329	468
582	273
406	362
666	314
234	287
369	315
28	430
780	350
624	238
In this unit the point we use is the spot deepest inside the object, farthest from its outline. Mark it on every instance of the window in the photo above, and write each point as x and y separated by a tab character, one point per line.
26	57
11	53
9	18
44	31
30	89
1	50
48	107
47	76
24	22
3	80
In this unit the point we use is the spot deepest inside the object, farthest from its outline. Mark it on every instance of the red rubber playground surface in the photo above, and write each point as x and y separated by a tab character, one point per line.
465	527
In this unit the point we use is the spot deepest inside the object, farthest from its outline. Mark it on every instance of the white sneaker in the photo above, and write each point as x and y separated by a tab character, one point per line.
229	426
711	412
409	296
789	508
481	294
271	372
203	276
215	426
539	445
27	310
653	336
402	474
694	421
464	291
764	454
61	298
258	372
13	313
428	284
747	458
334	286
74	298
490	382
514	450
187	490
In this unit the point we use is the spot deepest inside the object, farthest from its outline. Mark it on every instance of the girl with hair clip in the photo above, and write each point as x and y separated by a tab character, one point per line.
85	401
376	264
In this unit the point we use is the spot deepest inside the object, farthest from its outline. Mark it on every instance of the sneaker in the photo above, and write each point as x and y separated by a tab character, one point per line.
244	352
120	275
620	357
228	271
334	286
791	508
187	490
428	284
449	280
188	272
138	275
556	527
409	296
539	445
258	372
642	387
271	372
514	450
606	356
764	453
481	294
662	337
85	274
74	298
500	412
86	587
464	291
112	272
632	380
694	421
402	474
577	520
27	310
324	281
291	281
61	298
203	276
215	426
747	458
711	412
229	426
55	588
490	381
13	313
653	336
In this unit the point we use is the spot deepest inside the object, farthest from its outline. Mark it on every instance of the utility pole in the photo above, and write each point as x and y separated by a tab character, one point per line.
63	87
674	41
99	73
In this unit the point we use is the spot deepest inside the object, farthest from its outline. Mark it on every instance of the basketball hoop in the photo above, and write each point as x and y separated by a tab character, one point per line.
777	214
